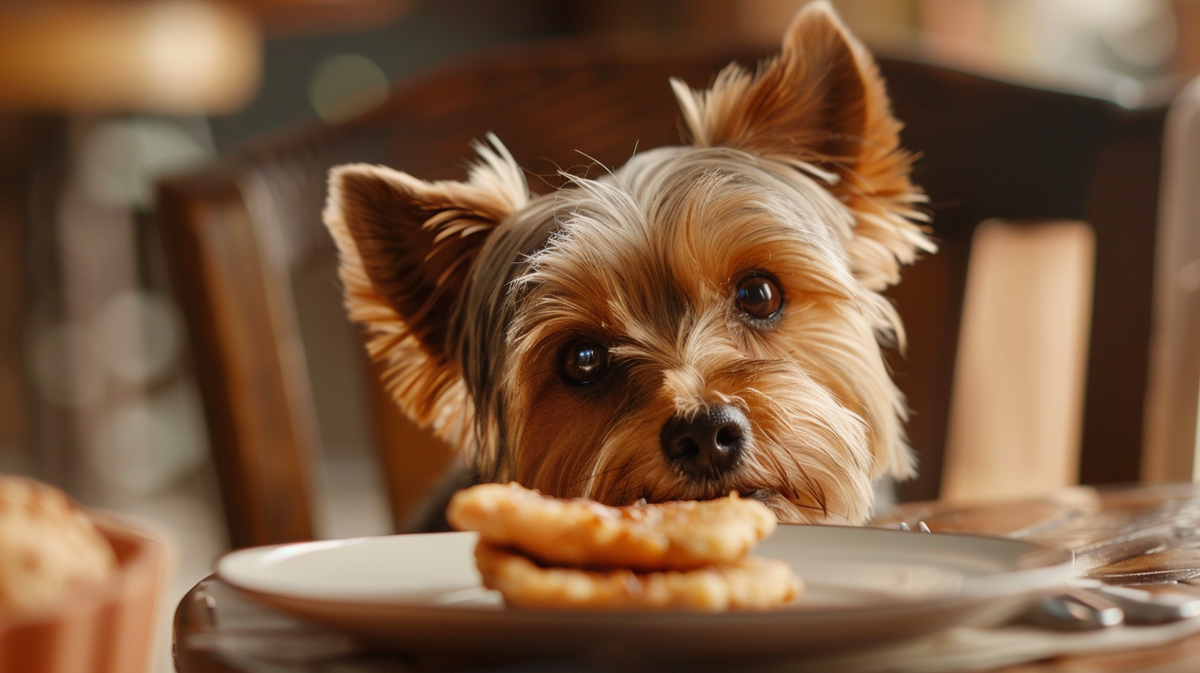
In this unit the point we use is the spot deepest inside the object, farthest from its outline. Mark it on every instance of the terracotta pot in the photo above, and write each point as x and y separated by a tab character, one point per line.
107	629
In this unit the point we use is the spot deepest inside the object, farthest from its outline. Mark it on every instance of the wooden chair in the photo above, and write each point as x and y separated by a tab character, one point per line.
236	234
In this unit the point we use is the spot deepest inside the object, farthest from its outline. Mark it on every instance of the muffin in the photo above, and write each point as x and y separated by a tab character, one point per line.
48	546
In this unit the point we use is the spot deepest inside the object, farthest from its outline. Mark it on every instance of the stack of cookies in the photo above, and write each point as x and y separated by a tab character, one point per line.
542	552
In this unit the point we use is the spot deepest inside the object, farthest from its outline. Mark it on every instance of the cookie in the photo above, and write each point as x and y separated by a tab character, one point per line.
582	533
750	583
47	546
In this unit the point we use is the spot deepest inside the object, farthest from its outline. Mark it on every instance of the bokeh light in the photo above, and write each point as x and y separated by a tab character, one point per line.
138	334
345	85
120	160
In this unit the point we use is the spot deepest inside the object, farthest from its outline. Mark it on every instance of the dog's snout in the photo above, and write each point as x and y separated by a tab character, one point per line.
709	444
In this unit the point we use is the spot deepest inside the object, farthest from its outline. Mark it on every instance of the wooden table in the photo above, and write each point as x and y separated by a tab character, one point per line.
1135	535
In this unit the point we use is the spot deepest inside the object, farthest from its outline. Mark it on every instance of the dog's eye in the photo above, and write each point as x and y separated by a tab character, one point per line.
583	361
759	297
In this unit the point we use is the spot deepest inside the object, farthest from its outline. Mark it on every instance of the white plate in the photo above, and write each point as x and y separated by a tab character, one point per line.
863	585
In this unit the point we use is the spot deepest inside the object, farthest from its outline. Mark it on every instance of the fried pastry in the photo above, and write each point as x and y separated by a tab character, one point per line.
682	535
750	583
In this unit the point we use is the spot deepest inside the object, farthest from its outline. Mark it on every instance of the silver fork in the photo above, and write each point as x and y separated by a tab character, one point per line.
1089	605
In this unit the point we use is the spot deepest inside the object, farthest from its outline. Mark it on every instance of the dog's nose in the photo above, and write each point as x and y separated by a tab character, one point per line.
708	444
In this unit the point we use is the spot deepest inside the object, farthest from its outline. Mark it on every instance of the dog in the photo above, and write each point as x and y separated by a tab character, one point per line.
706	319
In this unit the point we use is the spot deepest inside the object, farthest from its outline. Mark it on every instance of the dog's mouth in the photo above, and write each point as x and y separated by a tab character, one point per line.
763	495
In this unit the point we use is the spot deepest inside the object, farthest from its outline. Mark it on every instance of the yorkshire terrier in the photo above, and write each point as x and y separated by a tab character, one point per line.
706	319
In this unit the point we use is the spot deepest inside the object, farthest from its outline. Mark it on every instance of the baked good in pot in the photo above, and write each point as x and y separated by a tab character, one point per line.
48	546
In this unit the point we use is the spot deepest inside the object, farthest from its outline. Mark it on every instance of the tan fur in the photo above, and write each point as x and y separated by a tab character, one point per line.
795	172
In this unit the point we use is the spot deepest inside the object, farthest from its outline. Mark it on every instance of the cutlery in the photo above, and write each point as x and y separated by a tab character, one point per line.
1090	604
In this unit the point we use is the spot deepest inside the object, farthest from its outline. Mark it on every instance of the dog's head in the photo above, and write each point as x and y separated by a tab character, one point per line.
707	318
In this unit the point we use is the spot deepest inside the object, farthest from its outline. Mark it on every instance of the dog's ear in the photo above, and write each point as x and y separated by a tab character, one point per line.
821	103
406	247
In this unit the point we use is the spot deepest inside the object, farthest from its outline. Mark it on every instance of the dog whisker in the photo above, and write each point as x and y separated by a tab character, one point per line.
596	475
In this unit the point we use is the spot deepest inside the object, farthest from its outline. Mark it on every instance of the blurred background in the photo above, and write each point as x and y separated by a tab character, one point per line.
100	99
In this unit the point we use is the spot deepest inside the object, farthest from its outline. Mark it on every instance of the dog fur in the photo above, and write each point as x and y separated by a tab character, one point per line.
479	295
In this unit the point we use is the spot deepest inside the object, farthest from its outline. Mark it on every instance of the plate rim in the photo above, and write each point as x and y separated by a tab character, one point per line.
1059	567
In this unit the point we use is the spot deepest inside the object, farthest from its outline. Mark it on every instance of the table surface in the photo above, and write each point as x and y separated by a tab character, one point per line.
1125	535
